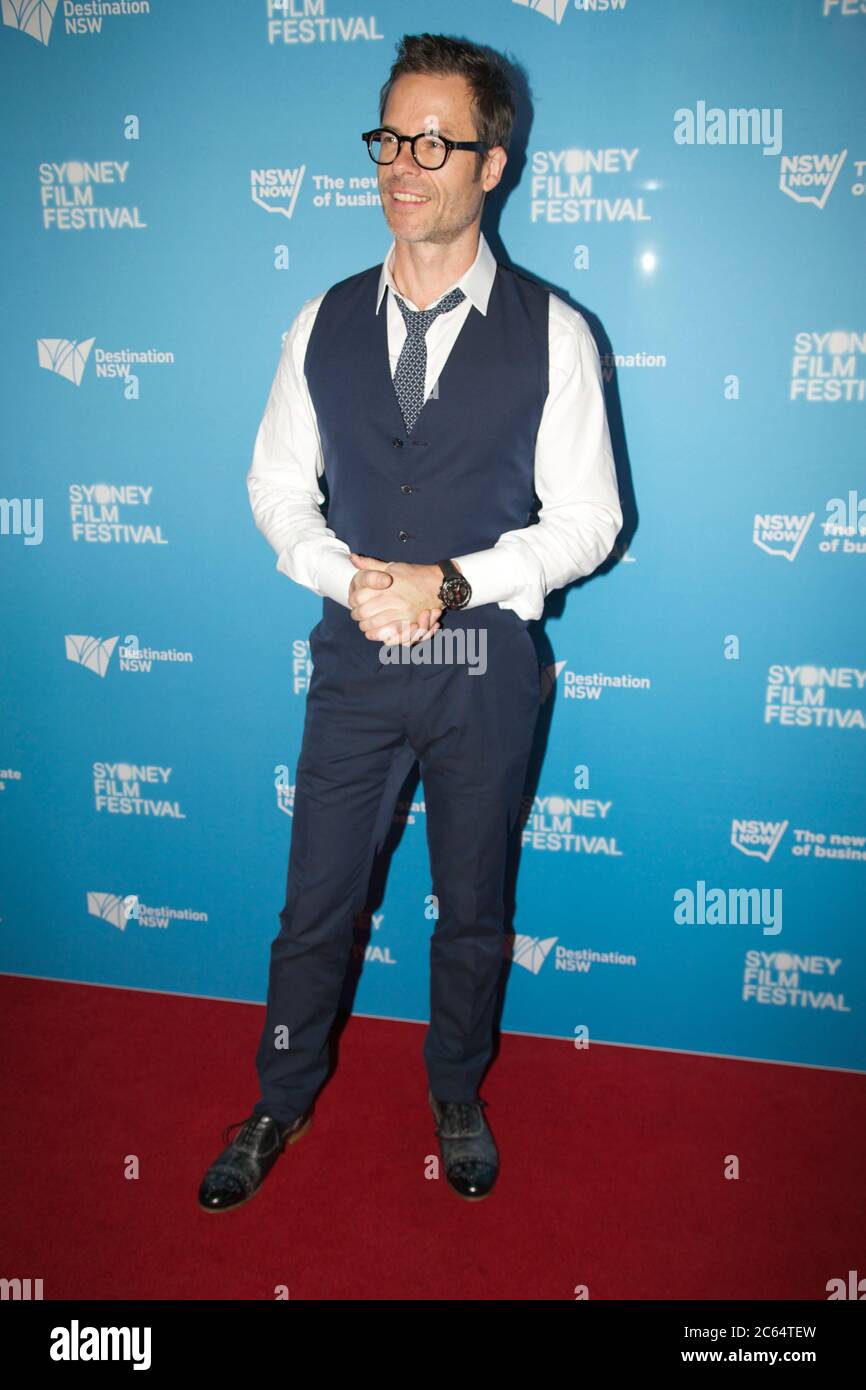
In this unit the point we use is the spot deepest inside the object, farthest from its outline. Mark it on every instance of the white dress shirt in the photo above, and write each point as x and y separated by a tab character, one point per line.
575	479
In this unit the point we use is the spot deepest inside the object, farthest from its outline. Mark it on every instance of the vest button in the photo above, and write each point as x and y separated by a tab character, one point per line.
402	535
398	443
404	487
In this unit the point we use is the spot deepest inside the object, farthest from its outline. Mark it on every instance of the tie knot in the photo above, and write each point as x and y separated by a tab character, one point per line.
419	320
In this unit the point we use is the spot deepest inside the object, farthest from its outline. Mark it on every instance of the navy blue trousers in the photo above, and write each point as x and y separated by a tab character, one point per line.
365	725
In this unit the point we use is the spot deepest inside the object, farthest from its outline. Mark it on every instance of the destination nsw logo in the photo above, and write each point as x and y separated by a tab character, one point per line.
95	653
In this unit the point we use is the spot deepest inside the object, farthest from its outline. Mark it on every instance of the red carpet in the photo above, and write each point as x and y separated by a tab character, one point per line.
612	1166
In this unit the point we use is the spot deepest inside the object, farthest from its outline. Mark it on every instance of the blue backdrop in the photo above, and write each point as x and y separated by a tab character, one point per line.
179	178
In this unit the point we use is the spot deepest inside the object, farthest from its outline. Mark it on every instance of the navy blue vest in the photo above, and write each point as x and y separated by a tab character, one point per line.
465	473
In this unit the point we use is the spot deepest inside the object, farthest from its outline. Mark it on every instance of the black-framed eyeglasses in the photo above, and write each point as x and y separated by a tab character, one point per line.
429	151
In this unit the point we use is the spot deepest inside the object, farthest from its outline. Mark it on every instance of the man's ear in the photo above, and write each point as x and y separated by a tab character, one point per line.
494	167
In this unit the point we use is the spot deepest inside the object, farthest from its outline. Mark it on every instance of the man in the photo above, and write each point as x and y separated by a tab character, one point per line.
439	392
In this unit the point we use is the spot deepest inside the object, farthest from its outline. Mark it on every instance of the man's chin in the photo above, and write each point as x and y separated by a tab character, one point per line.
410	238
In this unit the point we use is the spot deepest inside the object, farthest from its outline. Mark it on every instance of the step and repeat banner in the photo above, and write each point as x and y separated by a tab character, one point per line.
179	177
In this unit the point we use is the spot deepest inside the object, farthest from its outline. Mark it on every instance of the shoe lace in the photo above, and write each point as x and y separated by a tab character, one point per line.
460	1117
251	1126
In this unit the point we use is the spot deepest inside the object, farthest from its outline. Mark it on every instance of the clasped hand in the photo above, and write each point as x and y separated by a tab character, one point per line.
395	602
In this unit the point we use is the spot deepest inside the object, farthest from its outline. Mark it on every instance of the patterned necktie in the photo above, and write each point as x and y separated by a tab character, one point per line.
411	370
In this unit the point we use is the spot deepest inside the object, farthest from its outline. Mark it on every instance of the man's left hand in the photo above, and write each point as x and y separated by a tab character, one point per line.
412	593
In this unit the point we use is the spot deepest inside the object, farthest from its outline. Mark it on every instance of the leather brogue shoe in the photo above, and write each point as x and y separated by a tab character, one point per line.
239	1171
469	1154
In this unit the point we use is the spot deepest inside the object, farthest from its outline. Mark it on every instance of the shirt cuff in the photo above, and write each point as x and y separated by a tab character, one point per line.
334	575
495	575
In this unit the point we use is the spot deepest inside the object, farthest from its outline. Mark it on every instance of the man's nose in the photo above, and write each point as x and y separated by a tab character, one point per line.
405	159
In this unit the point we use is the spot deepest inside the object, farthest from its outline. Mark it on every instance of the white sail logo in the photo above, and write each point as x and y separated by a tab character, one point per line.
64	356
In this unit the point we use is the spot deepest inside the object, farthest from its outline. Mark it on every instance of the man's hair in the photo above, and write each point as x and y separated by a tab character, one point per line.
492	96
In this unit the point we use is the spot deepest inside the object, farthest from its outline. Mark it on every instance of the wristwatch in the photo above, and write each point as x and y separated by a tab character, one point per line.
455	591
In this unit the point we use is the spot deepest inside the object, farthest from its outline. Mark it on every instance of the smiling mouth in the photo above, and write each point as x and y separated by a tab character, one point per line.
408	199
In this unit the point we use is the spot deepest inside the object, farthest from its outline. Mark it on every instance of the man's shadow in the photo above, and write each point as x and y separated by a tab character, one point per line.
553	609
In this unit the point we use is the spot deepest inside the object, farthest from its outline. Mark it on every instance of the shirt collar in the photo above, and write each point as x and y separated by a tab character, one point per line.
476	282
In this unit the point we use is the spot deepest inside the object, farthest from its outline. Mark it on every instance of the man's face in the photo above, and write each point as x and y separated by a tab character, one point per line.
453	197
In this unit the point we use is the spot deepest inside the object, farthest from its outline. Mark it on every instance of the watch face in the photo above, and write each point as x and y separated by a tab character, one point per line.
456	591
